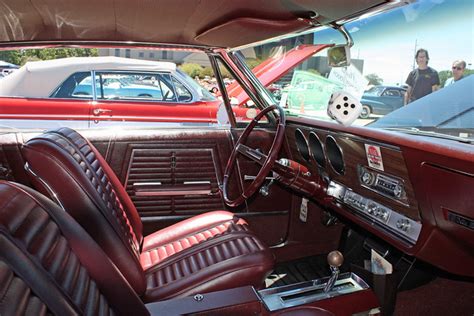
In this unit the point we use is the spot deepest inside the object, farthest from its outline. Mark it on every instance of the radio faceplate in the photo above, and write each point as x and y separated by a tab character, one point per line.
388	186
386	218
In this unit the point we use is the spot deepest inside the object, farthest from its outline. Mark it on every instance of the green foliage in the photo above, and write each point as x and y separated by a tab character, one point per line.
252	62
20	57
224	72
443	76
374	79
11	56
192	70
207	71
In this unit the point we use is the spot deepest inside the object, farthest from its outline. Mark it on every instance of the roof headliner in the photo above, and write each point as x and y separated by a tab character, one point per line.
190	22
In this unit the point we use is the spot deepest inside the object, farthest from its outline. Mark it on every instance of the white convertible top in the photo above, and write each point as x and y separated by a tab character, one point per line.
38	79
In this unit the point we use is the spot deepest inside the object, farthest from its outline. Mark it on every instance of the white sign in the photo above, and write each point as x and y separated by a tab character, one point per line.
351	79
374	157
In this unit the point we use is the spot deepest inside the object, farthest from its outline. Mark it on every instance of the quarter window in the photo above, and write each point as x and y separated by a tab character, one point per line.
79	85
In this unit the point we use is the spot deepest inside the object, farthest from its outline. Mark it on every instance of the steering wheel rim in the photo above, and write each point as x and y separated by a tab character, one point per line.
266	164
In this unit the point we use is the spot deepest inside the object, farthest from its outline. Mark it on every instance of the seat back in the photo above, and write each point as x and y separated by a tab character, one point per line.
65	166
50	265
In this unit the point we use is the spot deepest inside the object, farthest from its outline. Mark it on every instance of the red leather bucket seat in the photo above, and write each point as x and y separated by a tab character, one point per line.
208	252
50	266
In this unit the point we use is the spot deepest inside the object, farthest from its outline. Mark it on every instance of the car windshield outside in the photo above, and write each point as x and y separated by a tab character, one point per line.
382	57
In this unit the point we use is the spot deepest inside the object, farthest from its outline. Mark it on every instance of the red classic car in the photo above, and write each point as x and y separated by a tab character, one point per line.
274	215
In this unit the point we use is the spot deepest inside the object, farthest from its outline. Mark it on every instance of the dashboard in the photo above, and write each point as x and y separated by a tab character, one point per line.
400	188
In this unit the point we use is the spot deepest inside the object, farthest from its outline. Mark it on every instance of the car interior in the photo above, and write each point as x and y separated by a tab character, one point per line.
277	215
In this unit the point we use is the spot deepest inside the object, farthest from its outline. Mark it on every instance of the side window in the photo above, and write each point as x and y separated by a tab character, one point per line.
183	94
167	87
391	93
78	85
128	86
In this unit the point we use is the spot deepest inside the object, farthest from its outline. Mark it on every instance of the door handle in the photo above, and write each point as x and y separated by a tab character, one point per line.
98	112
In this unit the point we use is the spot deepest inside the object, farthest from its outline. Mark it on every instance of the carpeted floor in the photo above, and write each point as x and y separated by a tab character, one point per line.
441	297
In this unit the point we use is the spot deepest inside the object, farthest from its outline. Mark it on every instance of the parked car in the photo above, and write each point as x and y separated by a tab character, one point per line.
381	100
272	216
122	85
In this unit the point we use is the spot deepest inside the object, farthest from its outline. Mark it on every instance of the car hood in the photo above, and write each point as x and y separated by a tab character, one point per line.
274	68
450	107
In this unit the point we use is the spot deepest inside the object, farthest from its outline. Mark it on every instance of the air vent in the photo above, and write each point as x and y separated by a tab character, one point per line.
335	156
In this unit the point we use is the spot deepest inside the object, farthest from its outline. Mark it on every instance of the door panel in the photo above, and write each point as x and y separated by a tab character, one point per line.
172	180
189	165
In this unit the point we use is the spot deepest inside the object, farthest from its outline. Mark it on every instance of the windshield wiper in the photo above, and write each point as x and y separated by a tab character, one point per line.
417	131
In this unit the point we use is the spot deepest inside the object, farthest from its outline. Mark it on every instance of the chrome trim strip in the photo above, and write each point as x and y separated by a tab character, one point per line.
173	192
137	184
197	182
53	194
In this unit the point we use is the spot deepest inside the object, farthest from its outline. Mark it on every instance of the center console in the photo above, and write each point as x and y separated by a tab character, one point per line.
303	293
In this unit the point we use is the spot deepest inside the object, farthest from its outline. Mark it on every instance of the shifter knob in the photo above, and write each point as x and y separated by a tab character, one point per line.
335	259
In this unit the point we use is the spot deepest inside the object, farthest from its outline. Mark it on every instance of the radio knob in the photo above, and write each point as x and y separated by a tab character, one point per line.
403	224
371	208
397	191
367	177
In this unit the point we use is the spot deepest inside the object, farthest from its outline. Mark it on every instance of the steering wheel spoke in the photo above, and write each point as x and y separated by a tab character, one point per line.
266	162
253	154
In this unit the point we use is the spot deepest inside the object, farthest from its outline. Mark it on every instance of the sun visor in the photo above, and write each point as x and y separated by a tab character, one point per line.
242	31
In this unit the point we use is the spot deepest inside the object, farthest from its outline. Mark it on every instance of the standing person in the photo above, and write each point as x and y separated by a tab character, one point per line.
458	72
423	80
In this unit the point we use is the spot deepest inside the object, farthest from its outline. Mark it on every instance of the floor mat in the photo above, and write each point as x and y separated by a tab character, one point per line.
300	270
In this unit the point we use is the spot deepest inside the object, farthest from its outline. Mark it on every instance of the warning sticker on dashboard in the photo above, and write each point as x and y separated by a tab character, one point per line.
374	157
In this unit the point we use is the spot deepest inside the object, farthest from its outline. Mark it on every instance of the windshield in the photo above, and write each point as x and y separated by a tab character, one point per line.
409	69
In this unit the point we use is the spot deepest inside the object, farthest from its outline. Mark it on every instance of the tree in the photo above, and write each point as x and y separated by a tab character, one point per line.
11	56
191	69
20	57
443	76
374	79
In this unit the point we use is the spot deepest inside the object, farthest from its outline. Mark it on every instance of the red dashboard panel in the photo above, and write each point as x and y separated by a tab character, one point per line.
437	175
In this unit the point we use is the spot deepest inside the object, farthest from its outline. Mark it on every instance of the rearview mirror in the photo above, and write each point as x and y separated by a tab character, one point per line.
339	56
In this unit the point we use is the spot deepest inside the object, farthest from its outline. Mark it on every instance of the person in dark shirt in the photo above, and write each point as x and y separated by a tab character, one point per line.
423	80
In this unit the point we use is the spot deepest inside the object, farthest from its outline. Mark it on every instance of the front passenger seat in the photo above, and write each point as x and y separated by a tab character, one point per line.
208	252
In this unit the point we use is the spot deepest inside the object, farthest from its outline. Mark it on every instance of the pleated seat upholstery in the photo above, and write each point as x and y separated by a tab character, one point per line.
208	252
50	265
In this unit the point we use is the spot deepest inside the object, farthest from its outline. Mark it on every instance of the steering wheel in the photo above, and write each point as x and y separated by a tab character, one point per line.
265	161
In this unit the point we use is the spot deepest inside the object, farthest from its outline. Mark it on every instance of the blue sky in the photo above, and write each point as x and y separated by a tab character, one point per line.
386	42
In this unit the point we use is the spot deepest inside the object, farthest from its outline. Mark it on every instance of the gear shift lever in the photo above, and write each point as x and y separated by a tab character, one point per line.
335	260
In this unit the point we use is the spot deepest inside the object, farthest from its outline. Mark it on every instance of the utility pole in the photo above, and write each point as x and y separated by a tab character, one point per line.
414	52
